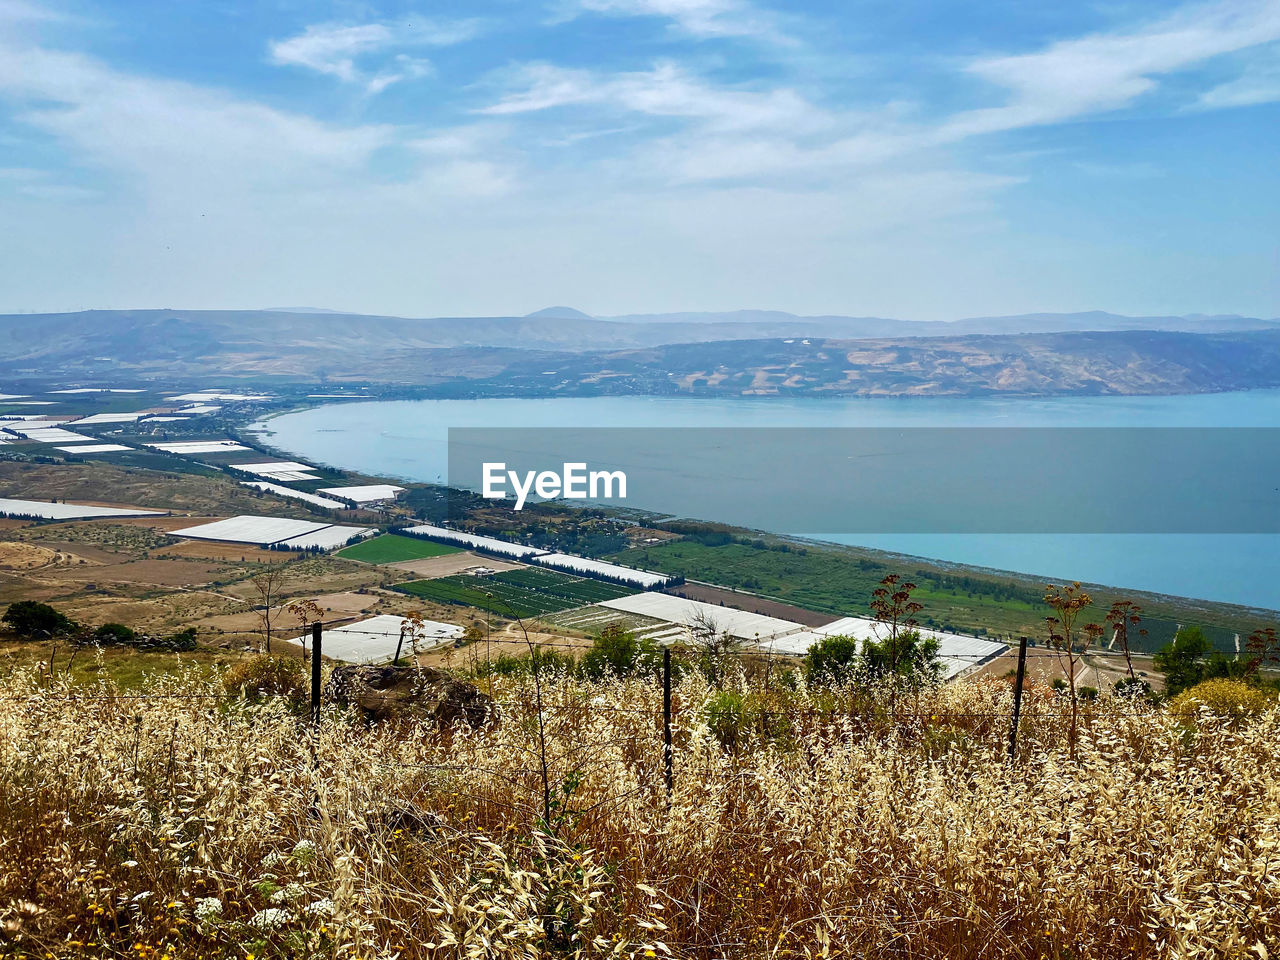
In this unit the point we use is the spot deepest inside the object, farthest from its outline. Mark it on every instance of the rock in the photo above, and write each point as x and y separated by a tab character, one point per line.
384	692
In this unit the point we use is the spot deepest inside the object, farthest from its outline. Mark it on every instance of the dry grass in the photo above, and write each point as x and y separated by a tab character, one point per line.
193	826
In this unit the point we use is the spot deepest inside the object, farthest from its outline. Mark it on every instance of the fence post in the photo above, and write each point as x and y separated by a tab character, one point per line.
668	759
1017	697
317	629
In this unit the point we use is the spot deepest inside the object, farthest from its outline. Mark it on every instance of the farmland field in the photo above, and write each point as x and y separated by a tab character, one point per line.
390	548
838	581
532	593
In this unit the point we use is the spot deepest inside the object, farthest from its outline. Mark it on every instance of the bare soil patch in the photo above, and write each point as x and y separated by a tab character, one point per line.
25	556
429	568
231	552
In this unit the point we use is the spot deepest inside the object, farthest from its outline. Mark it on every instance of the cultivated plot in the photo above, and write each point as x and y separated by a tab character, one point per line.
514	593
390	548
503	548
599	568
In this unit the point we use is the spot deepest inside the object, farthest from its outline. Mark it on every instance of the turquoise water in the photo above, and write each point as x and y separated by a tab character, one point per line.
408	440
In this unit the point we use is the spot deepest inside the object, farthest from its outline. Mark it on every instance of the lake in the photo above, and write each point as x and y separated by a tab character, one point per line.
407	440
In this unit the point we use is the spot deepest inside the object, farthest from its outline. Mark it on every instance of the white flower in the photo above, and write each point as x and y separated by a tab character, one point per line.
321	908
269	918
208	908
290	891
304	850
272	859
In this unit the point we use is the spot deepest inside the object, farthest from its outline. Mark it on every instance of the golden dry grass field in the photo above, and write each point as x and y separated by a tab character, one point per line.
827	825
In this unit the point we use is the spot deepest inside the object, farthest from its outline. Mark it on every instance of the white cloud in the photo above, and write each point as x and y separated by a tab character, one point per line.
336	49
698	18
1258	83
1104	72
665	91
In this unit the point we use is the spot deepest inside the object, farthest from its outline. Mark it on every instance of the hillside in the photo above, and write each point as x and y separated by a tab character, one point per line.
556	352
1119	363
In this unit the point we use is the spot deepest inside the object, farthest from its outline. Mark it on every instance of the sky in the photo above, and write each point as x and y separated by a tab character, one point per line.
491	157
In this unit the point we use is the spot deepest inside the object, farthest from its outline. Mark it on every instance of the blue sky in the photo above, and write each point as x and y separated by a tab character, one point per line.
865	157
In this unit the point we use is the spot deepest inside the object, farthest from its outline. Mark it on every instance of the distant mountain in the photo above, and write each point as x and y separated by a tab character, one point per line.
1117	363
749	352
1095	320
558	313
301	310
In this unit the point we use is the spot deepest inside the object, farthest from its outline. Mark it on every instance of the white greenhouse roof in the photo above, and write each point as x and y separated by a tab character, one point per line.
957	652
368	493
327	538
50	435
199	446
490	544
374	640
96	448
69	511
112	418
266	531
737	623
565	561
294	494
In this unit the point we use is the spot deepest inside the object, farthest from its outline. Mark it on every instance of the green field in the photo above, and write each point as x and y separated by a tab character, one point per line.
839	581
519	593
390	548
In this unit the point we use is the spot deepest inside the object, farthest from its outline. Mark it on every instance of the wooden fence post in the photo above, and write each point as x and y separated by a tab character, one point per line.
1017	697
317	629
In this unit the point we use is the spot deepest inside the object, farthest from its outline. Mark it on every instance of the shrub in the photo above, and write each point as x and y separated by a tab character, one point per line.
1227	699
735	719
111	634
832	660
30	618
266	676
542	660
616	652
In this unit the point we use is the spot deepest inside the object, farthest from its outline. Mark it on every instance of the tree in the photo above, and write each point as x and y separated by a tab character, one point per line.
1126	616
617	652
1071	644
35	620
1264	648
892	604
912	659
306	612
714	648
833	660
1190	659
268	584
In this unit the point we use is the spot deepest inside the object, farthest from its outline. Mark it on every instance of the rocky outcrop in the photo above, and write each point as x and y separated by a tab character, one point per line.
385	692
